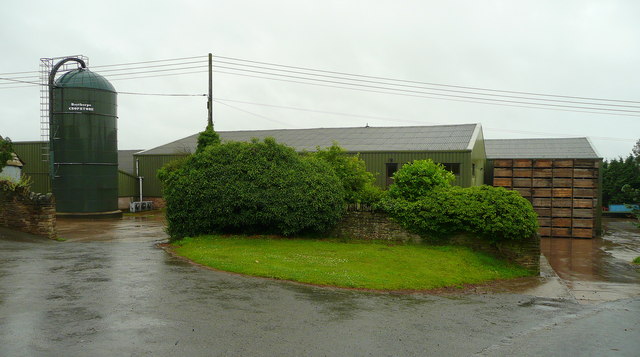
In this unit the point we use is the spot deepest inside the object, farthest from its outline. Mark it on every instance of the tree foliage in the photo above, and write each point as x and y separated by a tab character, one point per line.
357	182
423	201
493	213
206	138
6	151
249	187
615	175
414	180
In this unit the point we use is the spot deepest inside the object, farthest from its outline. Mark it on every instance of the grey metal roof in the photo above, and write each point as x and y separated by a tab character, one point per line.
125	161
363	139
554	148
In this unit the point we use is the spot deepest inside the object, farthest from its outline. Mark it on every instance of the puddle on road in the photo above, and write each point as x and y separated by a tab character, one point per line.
142	228
599	269
605	259
589	270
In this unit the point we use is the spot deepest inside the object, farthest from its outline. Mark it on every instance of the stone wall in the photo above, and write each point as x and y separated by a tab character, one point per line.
370	225
25	211
523	252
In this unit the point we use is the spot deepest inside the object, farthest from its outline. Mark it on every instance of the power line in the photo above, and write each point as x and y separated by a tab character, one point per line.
143	62
10	73
165	94
361	80
23	77
156	70
421	87
382	88
431	93
254	114
220	100
115	65
155	76
145	67
428	83
428	97
394	91
25	86
19	81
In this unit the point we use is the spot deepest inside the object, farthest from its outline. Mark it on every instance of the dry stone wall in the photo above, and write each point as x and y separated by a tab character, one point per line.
28	212
370	225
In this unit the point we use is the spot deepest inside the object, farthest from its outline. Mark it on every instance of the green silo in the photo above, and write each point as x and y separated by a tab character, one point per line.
84	144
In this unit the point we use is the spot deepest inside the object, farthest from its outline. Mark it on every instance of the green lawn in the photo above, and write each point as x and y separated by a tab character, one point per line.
354	264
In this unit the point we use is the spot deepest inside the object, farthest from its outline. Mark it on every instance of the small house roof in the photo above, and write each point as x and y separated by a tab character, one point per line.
551	148
362	139
15	161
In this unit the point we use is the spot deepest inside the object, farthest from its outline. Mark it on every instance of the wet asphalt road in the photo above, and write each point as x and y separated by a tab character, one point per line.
121	297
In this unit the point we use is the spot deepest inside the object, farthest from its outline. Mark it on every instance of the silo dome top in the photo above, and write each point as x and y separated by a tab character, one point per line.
84	78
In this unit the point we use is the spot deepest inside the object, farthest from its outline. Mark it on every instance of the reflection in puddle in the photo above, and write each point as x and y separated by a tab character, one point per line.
598	269
127	228
605	259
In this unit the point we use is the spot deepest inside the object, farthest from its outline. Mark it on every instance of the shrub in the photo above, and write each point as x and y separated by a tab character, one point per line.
416	179
617	174
206	138
494	213
250	187
357	182
6	151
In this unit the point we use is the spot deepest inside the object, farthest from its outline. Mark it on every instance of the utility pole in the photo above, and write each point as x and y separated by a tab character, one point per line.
210	101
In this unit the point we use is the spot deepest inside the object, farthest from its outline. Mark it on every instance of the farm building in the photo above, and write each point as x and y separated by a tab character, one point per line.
37	168
561	178
384	149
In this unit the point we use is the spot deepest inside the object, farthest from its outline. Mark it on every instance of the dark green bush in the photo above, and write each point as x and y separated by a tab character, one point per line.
491	212
241	187
414	180
357	182
6	151
206	138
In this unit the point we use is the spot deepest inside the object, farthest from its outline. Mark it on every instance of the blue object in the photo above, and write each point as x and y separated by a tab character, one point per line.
623	208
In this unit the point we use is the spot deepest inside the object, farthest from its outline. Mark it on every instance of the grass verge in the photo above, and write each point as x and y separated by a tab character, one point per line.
365	265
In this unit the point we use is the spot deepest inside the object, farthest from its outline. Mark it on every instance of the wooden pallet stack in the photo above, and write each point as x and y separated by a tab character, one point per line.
564	192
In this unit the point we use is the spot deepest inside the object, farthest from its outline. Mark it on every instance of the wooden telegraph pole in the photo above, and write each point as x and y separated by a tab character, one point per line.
210	101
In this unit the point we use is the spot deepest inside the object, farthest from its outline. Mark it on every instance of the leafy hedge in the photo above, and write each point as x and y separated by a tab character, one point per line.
357	182
206	138
492	212
615	175
250	187
6	151
416	179
423	201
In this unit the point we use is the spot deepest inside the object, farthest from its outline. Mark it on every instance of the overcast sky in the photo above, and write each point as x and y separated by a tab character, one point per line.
573	48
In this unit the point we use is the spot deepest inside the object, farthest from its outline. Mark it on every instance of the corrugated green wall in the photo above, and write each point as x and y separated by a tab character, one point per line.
127	185
149	166
30	152
376	162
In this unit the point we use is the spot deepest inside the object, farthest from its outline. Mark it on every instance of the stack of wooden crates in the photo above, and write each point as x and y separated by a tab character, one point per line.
564	192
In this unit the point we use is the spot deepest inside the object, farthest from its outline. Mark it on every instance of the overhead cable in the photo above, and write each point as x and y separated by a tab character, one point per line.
220	100
428	83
